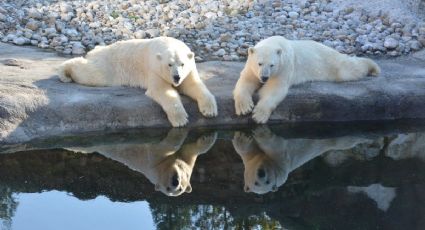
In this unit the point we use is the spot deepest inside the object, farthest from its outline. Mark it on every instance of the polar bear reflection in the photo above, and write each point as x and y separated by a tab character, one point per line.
167	164
268	159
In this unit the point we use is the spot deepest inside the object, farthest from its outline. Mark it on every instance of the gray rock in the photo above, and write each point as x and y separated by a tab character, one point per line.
43	45
32	25
140	34
78	48
66	7
35	14
20	41
415	45
225	37
71	32
293	15
48	31
11	62
153	33
390	43
2	17
220	52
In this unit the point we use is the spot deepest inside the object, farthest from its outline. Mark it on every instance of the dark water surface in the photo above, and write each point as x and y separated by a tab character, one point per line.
310	176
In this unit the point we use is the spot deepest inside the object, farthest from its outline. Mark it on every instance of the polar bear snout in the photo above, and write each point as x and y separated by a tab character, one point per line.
175	181
264	79
176	78
261	173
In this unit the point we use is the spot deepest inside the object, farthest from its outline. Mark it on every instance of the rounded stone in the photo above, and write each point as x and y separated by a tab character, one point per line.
20	41
78	48
390	43
293	14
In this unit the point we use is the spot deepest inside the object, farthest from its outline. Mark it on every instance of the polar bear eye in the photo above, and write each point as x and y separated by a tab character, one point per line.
271	65
182	64
170	65
260	64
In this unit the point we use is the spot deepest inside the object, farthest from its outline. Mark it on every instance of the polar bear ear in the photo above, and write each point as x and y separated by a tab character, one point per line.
250	50
158	56
279	51
190	55
188	188
157	187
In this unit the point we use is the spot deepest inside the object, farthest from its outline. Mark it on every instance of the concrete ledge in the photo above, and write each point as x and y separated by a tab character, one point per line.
34	103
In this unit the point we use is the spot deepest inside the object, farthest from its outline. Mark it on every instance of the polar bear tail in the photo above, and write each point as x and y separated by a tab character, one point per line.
373	68
65	70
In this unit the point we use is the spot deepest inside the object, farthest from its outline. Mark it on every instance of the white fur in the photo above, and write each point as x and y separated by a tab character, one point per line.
277	156
287	63
145	63
159	162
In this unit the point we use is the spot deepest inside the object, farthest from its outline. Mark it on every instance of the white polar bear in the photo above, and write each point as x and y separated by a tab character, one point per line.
275	63
164	66
167	164
268	159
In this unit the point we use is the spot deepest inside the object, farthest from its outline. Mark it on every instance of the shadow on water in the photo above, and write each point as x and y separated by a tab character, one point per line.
236	178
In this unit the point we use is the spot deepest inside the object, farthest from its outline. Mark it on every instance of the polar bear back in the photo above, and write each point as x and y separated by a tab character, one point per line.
132	62
313	60
122	63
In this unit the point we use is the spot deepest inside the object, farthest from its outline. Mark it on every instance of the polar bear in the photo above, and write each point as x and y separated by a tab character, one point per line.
275	63
268	158
167	164
163	66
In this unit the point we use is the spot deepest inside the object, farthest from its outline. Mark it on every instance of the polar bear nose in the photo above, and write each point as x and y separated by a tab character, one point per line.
264	78
176	78
175	181
261	173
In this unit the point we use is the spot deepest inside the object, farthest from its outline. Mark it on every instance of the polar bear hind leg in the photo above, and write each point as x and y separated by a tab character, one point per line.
354	68
81	71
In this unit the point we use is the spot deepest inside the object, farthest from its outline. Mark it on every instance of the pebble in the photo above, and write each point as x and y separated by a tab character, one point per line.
220	52
20	41
216	30
11	62
390	43
293	15
34	13
32	25
78	48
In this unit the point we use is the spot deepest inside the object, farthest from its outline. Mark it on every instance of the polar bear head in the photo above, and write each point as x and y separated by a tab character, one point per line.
173	177
177	61
263	174
265	61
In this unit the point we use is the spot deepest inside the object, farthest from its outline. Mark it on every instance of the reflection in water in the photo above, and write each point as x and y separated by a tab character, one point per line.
380	194
8	205
167	164
55	210
268	158
352	182
410	145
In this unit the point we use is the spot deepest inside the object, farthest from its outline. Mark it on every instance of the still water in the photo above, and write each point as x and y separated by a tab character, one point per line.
314	176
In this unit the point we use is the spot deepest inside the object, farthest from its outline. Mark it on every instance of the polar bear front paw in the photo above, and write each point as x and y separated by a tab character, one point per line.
178	117
261	114
243	105
208	107
263	132
241	142
205	142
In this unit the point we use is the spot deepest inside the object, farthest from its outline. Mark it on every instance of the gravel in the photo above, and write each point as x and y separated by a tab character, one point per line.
216	30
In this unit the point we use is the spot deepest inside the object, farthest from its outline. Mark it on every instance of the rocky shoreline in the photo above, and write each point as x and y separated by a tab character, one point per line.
215	30
35	104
